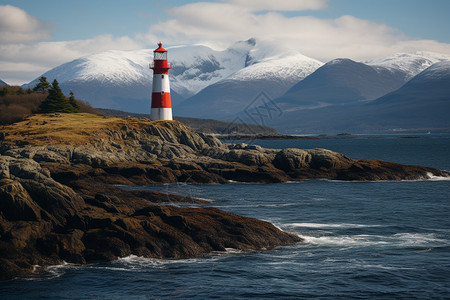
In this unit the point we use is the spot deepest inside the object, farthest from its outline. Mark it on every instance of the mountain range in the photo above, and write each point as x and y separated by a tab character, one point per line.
422	103
123	80
306	93
2	83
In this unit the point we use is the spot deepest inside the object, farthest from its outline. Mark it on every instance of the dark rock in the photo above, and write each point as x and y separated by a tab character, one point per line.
16	203
68	246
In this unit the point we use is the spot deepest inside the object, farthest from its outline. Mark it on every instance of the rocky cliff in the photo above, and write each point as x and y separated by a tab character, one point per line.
58	201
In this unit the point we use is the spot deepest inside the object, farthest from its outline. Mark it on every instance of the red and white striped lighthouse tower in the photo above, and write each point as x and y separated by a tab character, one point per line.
161	106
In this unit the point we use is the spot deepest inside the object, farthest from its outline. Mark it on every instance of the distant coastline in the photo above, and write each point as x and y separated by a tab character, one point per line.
226	137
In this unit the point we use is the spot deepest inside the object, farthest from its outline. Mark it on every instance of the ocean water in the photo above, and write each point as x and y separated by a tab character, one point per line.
363	240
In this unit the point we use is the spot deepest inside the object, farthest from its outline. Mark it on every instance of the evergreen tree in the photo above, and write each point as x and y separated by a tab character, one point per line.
42	86
73	102
55	101
4	91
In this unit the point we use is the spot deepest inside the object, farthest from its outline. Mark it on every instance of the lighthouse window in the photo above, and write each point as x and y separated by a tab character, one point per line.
162	93
160	55
162	76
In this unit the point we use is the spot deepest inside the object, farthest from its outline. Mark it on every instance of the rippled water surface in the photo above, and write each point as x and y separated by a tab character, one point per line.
388	240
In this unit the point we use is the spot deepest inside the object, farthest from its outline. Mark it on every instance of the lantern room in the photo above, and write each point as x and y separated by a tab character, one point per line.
160	53
160	64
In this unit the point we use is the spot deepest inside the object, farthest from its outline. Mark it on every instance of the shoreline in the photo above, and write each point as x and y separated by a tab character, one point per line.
226	137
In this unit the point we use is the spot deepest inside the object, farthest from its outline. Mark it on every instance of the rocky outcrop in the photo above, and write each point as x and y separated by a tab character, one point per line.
45	222
146	152
58	201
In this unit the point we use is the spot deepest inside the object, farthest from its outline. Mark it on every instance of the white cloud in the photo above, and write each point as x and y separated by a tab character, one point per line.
25	51
16	26
222	23
280	5
20	63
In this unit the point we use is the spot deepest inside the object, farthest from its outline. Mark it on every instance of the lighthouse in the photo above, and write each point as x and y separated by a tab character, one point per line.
161	106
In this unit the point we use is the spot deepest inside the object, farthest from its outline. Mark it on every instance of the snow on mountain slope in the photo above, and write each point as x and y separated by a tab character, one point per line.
196	67
437	71
107	67
291	65
410	63
268	69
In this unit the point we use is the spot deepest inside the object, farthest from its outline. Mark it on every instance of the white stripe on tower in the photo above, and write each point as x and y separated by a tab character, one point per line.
161	113
161	83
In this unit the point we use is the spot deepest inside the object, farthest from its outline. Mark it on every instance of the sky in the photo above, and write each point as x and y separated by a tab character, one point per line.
36	36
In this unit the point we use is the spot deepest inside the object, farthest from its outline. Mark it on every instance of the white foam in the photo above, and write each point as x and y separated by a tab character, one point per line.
345	241
418	239
233	250
132	263
364	240
53	271
337	225
431	176
385	267
277	205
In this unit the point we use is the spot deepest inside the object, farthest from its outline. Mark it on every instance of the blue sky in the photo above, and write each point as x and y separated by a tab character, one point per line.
38	35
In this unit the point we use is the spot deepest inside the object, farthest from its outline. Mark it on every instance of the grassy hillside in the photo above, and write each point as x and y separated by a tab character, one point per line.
63	128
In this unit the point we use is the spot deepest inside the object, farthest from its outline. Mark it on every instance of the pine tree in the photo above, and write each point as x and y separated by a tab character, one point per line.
55	101
73	102
42	86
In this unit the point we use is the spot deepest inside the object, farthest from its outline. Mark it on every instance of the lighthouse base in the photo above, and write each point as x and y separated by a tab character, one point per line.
161	114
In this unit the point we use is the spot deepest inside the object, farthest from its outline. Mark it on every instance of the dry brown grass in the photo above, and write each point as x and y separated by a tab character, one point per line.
69	129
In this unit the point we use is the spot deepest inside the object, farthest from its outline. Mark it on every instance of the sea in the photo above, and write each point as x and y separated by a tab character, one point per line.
362	240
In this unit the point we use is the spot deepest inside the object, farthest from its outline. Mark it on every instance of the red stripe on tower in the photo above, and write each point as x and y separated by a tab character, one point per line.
161	108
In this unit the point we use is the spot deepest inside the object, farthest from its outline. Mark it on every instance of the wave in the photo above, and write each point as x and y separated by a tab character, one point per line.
133	262
365	240
432	177
256	205
419	239
429	177
51	272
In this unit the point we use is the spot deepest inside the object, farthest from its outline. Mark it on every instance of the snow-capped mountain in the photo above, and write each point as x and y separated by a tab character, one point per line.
272	72
196	67
123	80
341	81
437	72
410	63
2	83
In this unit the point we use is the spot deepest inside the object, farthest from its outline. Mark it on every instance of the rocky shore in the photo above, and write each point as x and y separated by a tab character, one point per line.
59	202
